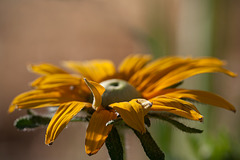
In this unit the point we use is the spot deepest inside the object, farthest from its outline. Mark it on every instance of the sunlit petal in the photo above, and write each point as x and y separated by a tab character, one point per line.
46	69
57	80
133	112
63	115
97	130
155	70
132	64
97	91
42	98
176	106
200	96
97	70
182	73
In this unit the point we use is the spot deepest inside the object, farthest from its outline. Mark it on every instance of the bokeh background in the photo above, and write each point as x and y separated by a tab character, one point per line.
33	31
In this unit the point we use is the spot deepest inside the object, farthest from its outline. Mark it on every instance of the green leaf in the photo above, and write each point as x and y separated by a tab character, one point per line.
31	121
177	124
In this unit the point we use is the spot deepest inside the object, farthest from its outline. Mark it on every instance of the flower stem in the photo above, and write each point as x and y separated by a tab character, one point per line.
114	145
150	147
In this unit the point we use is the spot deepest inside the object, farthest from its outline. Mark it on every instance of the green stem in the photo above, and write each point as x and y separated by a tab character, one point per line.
150	147
114	145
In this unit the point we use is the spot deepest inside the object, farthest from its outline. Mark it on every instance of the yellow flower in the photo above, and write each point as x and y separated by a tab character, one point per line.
138	86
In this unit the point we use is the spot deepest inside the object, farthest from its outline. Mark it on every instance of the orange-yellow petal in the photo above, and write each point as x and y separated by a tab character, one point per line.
133	113
19	98
155	70
63	115
168	71
132	64
176	106
184	73
200	96
46	69
42	98
97	91
97	70
97	131
57	80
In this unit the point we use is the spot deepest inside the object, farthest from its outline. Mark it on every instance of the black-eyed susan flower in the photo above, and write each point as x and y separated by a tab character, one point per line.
137	88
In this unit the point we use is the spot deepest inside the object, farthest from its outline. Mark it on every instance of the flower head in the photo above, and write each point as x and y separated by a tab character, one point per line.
130	92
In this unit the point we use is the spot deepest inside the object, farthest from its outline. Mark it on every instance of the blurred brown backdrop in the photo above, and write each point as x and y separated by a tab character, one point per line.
52	31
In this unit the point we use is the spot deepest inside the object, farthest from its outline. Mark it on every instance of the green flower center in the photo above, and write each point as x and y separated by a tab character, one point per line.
117	90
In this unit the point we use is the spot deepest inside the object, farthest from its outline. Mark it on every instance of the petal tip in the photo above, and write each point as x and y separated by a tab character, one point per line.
201	119
30	67
49	143
90	153
233	74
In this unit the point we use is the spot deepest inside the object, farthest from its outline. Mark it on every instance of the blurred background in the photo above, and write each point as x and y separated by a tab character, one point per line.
52	31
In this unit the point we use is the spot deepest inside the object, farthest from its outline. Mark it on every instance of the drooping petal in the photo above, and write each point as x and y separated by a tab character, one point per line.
63	115
166	82
185	71
132	64
133	112
97	91
200	96
97	70
18	99
46	69
176	106
42	98
57	80
97	131
152	72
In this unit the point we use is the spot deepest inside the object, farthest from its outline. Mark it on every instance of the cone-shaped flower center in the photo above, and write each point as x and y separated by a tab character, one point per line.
117	90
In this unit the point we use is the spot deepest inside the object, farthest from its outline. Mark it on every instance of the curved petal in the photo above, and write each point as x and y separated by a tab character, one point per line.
19	98
97	70
132	64
154	71
46	69
97	91
184	73
176	106
61	118
200	96
133	112
168	71
43	98
97	131
57	80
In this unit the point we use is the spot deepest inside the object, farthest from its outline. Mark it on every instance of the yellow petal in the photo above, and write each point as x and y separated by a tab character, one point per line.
46	69
133	113
57	80
176	106
168	71
182	73
97	131
208	61
17	99
97	70
42	98
200	96
61	118
132	64
152	72
97	91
